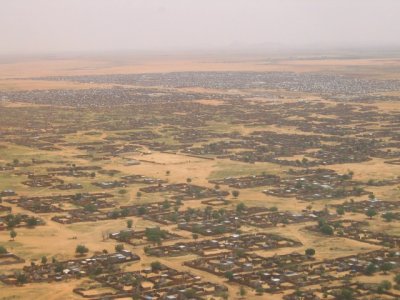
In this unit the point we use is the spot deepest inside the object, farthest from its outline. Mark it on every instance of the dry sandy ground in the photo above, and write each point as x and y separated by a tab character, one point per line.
11	72
114	65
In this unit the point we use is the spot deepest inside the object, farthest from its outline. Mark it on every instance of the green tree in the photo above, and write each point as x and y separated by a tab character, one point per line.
32	222
370	269
310	252
326	229
119	247
90	208
235	193
345	294
58	268
13	234
21	278
385	285
12	220
3	250
190	293
358	191
155	235
259	291
44	260
386	267
370	213
129	223
340	210
242	292
397	279
124	236
166	204
81	250
274	209
229	275
240	207
142	210
156	266
124	212
115	214
388	216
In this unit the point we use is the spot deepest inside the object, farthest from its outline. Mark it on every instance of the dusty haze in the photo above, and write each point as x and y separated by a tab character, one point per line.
46	26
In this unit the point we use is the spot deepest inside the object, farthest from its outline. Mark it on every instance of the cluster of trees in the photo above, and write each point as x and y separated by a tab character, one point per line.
90	208
371	212
219	229
389	216
119	213
383	286
141	210
325	228
372	268
12	220
156	234
124	235
209	213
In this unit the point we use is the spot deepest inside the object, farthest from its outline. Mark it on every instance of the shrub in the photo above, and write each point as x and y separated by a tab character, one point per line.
370	269
340	211
156	266
81	249
235	193
326	229
310	252
119	247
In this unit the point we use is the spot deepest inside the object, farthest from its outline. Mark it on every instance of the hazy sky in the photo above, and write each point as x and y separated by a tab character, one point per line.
40	26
